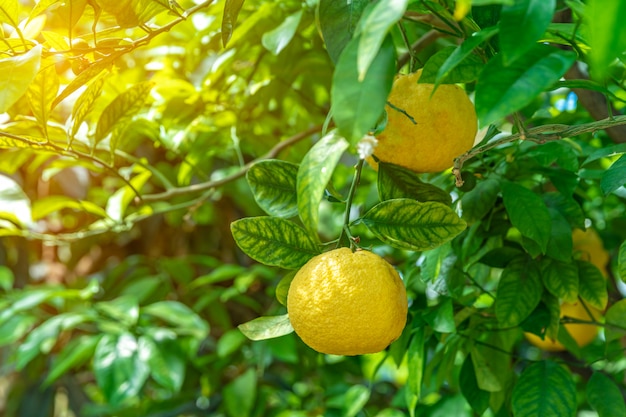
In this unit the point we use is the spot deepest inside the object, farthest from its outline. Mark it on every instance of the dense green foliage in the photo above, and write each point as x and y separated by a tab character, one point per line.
166	167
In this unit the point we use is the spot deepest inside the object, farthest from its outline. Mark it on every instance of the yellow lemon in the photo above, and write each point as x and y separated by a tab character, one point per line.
591	248
347	303
425	133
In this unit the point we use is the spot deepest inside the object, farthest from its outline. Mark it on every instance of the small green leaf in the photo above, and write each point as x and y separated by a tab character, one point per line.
621	261
560	279
6	278
167	361
119	201
124	310
544	389
122	109
240	394
416	361
230	342
229	19
273	184
603	19
267	327
274	241
314	173
560	242
441	317
357	104
502	90
527	212
561	153
477	398
276	40
15	327
604	396
338	21
614	177
18	72
282	289
519	292
477	203
408	224
606	152
616	321
465	71
182	319
592	285
76	353
398	182
568	207
85	102
355	399
485	373
522	24
42	92
45	206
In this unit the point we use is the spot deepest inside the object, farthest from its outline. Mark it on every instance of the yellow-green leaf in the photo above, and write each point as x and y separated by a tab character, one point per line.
267	327
273	184
17	74
544	389
592	285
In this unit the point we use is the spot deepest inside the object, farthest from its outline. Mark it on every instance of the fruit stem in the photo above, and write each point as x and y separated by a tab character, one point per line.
345	230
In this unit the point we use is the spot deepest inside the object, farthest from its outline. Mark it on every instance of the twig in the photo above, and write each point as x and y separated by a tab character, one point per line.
426	40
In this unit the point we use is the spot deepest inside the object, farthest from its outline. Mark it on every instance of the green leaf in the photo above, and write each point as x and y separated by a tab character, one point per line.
122	109
338	21
603	19
54	203
408	224
416	361
476	203
355	399
230	342
267	327
120	366
229	19
183	320
561	153
462	52
616	321
314	173
477	398
120	200
273	184
42	92
522	24
18	72
240	394
502	90
76	353
282	289
606	152
486	377
567	206
123	310
621	261
614	177
274	241
357	104
604	396
441	317
276	40
84	77
167	362
528	213
398	182
560	279
466	71
15	327
519	292
544	389
6	278
374	25
85	102
592	285
560	243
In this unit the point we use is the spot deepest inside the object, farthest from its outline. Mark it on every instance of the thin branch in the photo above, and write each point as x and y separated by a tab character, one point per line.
426	40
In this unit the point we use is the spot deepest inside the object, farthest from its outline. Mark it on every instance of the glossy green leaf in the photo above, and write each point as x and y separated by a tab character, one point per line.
560	243
120	366
477	398
122	109
528	213
357	104
416	361
374	25
15	327
486	376
621	261
561	153
273	184
42	92
519	292
229	19
166	360
408	224
606	152
18	72
84	77
616	321
441	317
338	21
123	310
605	396
355	398
183	320
603	20
276	40
567	206
544	389
462	52
274	241
592	285
267	327
560	279
314	173
282	289
522	24
614	177
502	90
476	203
398	182
240	394
86	101
466	71
76	353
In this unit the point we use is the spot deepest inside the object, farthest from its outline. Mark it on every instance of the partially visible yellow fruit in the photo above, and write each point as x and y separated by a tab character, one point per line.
425	133
583	334
589	244
347	303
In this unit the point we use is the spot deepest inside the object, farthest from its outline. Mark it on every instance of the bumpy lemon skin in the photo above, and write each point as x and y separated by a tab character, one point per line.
346	303
445	125
583	334
591	248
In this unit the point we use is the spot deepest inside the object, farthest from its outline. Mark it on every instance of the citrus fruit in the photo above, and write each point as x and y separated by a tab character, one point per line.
591	248
347	303
425	133
583	334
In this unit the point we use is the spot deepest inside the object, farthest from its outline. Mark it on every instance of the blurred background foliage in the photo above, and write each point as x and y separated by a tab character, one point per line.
123	166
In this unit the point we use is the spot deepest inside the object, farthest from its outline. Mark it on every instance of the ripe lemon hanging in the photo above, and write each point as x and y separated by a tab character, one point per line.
583	334
591	248
347	303
425	133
